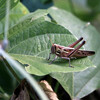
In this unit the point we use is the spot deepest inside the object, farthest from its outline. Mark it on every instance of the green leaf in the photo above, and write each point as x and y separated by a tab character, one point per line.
96	22
95	6
30	45
7	82
66	80
3	95
15	15
40	66
18	14
19	9
3	7
74	6
63	4
87	81
37	14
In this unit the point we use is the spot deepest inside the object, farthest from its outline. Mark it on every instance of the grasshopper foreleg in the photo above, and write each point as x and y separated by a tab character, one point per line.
53	60
49	56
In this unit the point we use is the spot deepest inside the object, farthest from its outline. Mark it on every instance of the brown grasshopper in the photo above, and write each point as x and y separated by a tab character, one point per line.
69	52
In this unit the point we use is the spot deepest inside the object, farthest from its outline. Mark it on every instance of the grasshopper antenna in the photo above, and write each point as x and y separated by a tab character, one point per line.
51	44
50	39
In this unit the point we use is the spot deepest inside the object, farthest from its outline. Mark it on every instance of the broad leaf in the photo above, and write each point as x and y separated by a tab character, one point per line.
63	4
40	66
19	9
37	14
15	15
3	7
87	81
73	6
30	45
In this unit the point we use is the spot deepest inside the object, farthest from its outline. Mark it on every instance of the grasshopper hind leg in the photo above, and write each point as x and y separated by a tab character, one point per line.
67	58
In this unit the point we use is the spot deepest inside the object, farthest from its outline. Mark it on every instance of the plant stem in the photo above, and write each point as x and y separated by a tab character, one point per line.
11	70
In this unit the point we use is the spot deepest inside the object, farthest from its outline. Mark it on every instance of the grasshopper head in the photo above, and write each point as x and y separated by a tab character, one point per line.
53	48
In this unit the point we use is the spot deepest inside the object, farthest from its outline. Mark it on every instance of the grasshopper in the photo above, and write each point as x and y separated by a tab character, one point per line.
69	52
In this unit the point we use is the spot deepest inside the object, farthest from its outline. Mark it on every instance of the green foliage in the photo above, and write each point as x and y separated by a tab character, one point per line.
3	7
84	9
6	79
16	13
82	81
63	4
94	5
33	47
30	37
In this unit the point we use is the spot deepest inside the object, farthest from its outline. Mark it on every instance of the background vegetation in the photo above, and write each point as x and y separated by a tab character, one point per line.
32	25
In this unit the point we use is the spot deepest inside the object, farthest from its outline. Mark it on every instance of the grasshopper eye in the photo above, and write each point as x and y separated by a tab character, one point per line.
53	49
